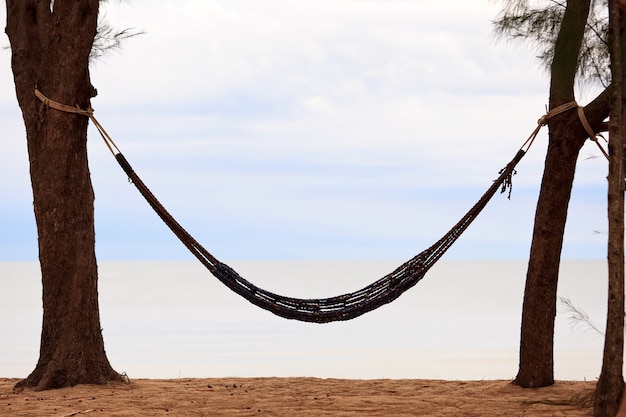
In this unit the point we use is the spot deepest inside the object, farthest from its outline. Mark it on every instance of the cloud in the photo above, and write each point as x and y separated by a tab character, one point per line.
301	128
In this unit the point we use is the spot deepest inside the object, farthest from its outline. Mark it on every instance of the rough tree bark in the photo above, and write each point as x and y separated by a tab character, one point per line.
566	137
50	44
610	387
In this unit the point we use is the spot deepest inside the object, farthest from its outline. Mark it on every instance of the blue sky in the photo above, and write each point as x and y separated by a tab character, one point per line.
310	129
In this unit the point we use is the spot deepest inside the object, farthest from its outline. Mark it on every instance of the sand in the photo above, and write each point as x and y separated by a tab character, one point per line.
299	397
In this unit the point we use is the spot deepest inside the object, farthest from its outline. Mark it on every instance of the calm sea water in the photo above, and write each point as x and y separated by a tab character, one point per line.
173	319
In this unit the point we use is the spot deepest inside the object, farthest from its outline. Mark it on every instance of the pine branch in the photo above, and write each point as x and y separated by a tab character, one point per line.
108	39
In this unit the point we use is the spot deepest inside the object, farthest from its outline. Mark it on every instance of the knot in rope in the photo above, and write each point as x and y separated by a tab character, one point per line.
543	120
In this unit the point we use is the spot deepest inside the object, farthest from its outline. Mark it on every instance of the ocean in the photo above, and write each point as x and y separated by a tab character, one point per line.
174	320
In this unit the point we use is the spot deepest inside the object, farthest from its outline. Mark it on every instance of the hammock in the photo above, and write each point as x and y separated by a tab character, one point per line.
320	310
324	310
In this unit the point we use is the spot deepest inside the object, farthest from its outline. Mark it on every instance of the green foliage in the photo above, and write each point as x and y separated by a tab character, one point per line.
538	22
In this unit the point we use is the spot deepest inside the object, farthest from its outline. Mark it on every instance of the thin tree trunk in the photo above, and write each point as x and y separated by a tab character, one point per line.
50	51
610	387
536	368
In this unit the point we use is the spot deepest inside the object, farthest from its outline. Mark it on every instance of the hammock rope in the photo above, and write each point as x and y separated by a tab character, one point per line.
319	310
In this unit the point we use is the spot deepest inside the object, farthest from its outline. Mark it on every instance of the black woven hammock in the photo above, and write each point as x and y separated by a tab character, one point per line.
342	307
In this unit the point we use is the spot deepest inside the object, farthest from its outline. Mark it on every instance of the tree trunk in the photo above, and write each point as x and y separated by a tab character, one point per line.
50	44
610	387
536	368
539	309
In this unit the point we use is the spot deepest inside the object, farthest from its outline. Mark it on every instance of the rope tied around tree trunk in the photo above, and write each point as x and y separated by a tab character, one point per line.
543	121
63	107
77	110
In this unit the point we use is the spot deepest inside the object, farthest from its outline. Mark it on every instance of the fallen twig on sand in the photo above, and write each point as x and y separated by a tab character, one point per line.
77	412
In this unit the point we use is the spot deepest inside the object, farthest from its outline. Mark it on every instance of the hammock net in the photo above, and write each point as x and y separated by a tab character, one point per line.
323	310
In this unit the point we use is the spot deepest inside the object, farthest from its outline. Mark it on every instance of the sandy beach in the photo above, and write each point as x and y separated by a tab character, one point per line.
300	397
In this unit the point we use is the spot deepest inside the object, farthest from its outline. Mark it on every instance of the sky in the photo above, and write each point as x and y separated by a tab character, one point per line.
310	129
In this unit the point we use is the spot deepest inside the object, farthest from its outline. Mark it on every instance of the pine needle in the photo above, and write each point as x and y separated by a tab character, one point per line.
579	317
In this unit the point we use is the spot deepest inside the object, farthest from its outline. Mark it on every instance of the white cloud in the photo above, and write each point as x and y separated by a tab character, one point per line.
311	99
